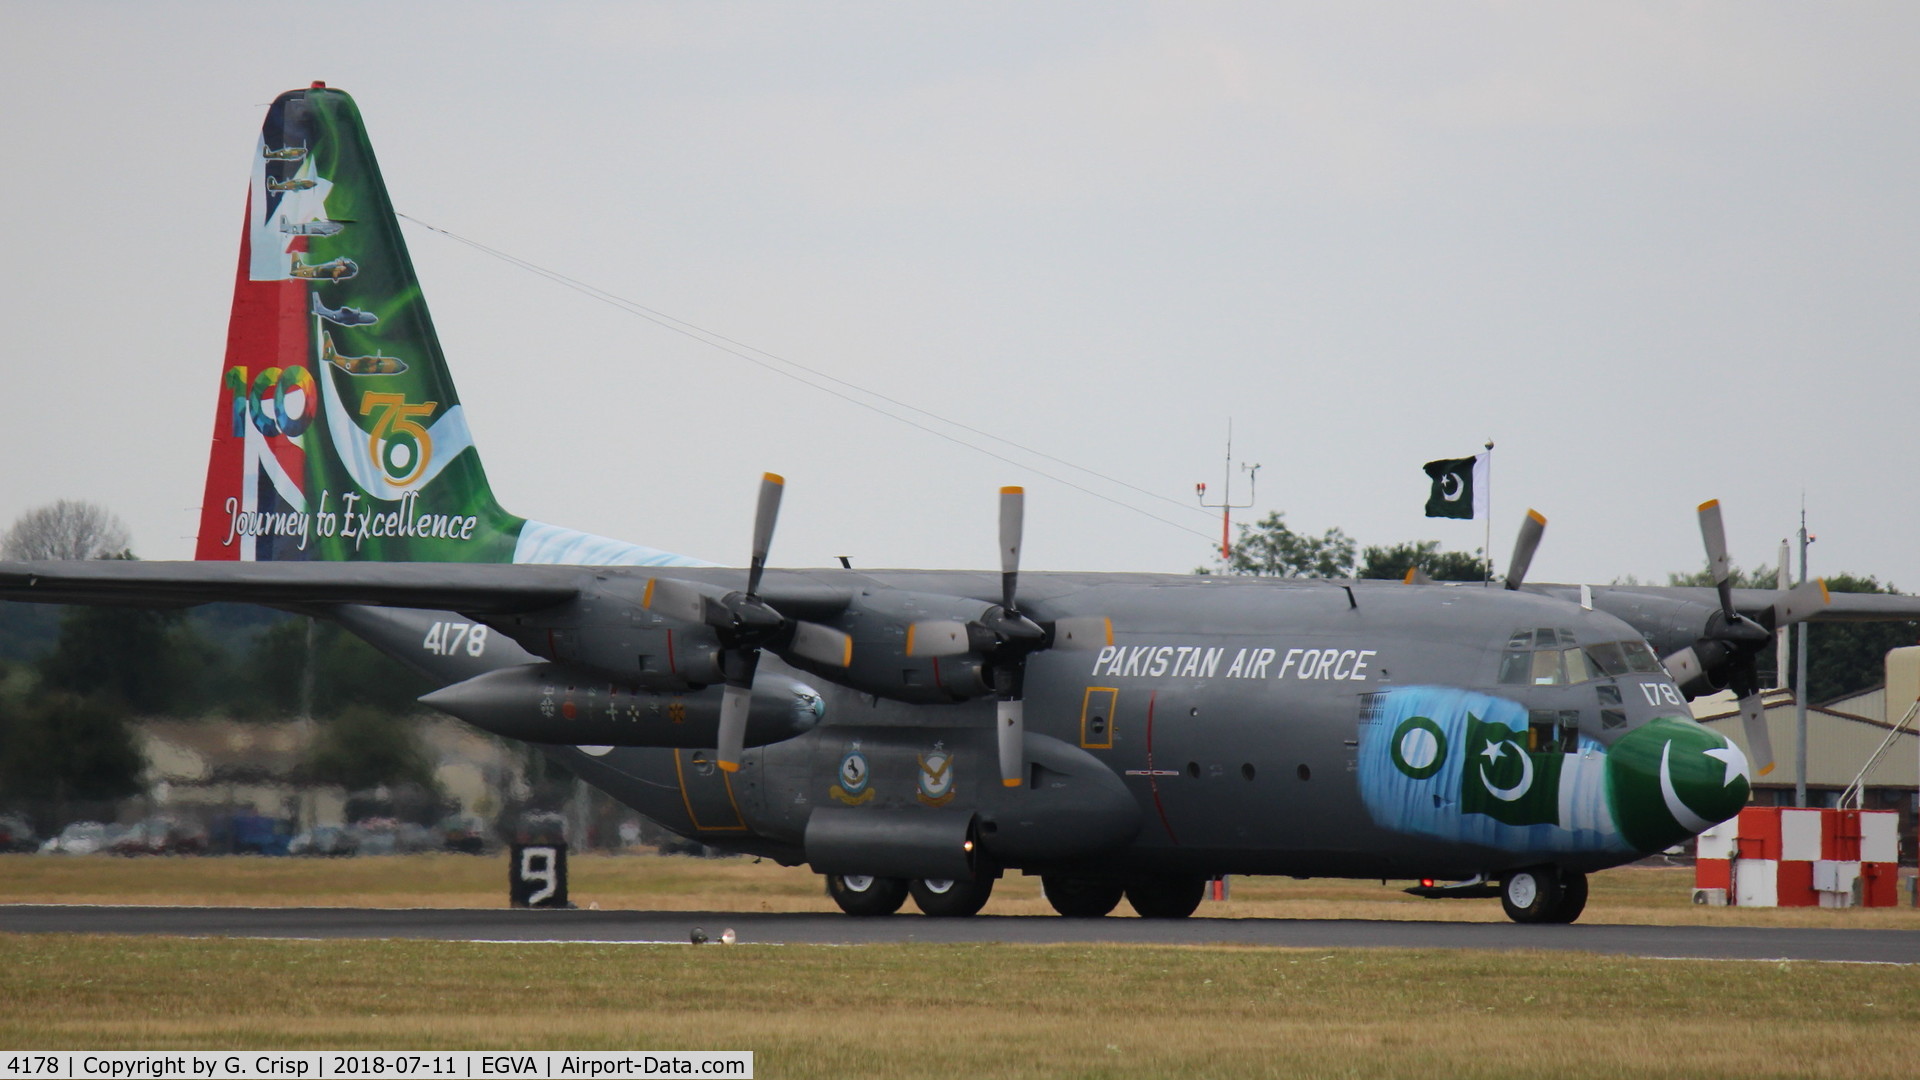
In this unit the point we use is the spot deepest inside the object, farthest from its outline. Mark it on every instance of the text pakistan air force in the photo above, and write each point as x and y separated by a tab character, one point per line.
1204	662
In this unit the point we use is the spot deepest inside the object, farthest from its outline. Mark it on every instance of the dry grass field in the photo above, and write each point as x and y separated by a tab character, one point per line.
1638	894
980	1011
940	1010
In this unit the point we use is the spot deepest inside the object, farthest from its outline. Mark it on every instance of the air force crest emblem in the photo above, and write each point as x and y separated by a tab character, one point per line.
854	776
936	777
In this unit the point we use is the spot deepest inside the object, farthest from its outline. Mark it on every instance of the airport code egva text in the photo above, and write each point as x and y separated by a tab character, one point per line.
357	1065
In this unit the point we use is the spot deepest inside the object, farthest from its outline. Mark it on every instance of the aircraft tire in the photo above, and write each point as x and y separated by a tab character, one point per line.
1166	897
1573	897
1081	898
950	899
860	894
1535	895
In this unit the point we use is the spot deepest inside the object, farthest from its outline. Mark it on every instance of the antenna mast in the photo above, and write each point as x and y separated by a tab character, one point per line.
1226	505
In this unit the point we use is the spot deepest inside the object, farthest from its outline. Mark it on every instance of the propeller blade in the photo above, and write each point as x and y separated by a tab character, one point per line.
1531	530
675	600
1083	632
1010	719
1753	719
1713	531
1012	515
734	703
937	637
1684	666
1801	602
765	515
1416	576
822	644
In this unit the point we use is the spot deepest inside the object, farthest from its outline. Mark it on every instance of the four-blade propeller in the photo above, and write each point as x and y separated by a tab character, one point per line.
1725	655
1006	637
745	624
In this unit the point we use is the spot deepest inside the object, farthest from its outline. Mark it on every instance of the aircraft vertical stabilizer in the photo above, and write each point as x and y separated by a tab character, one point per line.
338	433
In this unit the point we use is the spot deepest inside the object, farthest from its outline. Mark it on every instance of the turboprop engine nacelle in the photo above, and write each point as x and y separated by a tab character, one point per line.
548	703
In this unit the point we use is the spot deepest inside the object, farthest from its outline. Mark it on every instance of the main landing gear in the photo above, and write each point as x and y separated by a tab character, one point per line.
862	894
1170	897
1151	897
1544	894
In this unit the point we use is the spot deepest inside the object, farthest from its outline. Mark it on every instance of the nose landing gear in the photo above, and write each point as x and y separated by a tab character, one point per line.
1544	894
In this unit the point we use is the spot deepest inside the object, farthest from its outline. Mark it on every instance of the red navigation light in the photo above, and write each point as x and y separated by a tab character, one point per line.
1426	883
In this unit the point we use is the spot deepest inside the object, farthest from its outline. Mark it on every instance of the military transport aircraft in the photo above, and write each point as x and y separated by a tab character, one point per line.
924	732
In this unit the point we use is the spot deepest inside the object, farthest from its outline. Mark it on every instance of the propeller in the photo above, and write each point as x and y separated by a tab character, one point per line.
1006	637
1726	654
746	624
1531	530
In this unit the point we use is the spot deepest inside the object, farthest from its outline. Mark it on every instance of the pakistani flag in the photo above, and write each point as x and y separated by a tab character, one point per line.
1459	487
1501	779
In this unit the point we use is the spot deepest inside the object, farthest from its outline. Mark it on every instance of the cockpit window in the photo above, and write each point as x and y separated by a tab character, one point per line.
1607	657
1576	665
1640	658
1547	657
1546	668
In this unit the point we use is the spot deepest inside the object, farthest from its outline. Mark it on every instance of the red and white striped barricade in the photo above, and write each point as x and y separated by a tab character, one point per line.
1771	856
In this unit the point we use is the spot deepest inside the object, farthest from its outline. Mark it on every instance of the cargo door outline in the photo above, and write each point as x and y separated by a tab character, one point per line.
706	792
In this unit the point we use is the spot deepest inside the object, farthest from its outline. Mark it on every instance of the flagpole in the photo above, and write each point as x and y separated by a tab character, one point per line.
1488	549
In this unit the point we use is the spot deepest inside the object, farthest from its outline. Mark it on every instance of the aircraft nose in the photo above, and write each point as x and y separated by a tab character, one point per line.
1672	779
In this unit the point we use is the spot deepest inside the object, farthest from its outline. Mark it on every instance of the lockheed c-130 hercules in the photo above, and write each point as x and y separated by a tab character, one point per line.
924	732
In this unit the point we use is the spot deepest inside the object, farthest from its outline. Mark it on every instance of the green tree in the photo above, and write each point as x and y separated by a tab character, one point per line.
1760	577
146	660
363	747
1394	562
1849	656
345	672
57	747
1269	548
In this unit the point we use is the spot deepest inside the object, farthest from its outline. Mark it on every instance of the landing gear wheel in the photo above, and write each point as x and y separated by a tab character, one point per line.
1166	897
1081	898
860	894
1573	896
950	899
1544	894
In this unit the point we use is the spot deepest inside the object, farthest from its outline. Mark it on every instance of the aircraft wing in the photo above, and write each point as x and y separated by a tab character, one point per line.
472	588
1840	606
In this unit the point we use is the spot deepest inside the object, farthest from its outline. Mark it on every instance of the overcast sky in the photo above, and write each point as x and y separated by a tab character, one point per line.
1658	252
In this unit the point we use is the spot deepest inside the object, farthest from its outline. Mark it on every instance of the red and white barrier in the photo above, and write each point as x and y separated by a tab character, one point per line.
1772	856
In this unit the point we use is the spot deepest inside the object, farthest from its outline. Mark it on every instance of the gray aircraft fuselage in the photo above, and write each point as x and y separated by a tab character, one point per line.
1233	725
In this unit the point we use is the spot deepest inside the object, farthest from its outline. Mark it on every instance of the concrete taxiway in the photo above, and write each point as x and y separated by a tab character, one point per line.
1706	942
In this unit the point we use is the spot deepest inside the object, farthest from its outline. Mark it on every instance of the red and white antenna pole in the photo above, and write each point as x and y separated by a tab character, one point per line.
1226	505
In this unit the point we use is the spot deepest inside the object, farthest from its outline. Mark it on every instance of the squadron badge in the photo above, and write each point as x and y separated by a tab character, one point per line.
852	788
936	777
